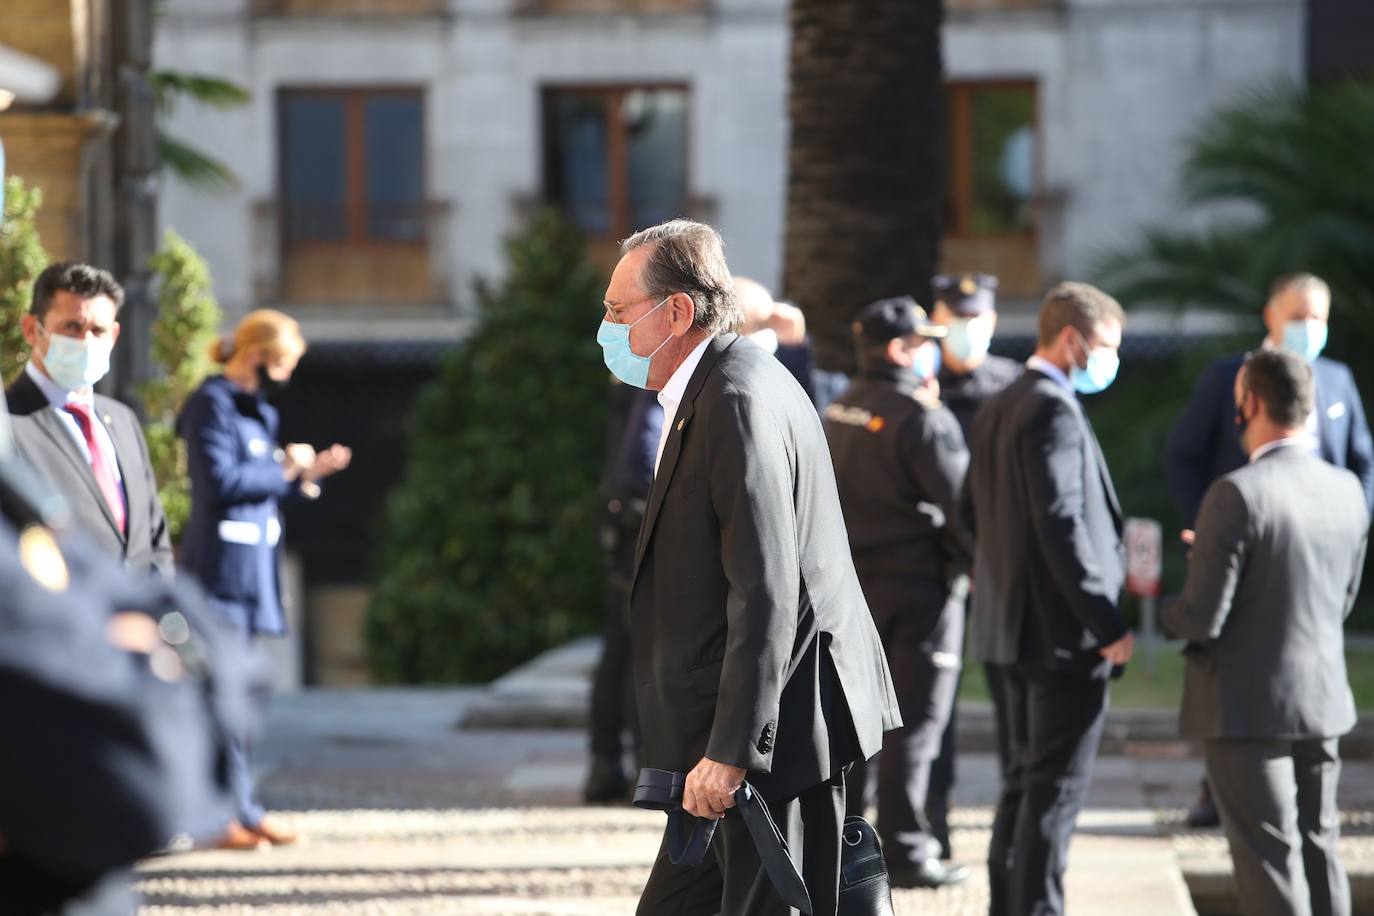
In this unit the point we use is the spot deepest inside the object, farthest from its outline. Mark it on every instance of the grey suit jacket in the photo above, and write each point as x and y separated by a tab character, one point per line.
45	443
1271	578
1048	564
752	642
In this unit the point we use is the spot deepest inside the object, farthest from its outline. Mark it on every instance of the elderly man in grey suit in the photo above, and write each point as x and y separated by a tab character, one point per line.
754	653
1273	572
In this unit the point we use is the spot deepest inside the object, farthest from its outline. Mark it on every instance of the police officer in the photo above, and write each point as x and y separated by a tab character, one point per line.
119	691
966	306
900	461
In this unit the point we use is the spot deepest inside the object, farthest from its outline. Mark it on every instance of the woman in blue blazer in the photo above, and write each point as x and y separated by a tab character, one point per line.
239	475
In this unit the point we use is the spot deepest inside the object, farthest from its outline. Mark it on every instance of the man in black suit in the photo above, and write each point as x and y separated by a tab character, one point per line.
89	447
1048	570
1272	575
754	653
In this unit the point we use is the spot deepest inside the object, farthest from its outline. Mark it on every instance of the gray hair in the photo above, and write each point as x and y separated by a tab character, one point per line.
689	257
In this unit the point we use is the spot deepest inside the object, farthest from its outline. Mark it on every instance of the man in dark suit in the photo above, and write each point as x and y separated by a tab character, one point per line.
1273	573
754	653
1048	570
89	447
1205	443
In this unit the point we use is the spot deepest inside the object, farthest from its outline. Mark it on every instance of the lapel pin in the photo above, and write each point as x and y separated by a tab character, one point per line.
681	423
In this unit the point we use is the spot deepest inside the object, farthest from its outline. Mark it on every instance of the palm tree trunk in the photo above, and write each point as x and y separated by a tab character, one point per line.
864	181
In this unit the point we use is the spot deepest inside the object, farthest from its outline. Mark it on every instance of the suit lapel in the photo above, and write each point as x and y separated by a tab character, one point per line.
1102	468
56	429
672	448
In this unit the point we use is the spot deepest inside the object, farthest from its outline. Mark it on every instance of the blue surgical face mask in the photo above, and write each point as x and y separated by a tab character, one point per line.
968	339
1307	338
1099	373
624	363
76	363
925	362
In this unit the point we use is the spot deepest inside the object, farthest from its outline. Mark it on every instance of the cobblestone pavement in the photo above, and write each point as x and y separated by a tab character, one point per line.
406	815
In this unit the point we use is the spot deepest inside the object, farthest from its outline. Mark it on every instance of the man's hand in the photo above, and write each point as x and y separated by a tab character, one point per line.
1119	652
329	461
789	323
1188	536
298	459
710	789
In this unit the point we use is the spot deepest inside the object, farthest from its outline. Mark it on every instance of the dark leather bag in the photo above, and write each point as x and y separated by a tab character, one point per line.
865	889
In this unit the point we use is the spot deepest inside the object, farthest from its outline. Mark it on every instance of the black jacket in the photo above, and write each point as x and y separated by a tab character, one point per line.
900	462
752	643
43	441
1049	563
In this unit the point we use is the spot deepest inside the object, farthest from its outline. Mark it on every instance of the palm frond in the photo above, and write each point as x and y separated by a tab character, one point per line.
192	166
171	86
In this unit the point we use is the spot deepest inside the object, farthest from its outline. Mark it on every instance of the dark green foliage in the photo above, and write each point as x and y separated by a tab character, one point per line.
1294	164
22	259
491	552
182	160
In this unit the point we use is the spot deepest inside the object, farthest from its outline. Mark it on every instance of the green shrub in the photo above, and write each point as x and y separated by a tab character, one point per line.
490	549
188	320
22	259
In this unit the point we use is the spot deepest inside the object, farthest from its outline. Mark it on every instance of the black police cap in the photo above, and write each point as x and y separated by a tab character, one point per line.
887	319
966	294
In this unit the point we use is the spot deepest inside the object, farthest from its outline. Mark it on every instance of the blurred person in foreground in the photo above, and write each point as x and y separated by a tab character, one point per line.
966	306
1273	573
1048	566
90	448
239	476
778	327
900	462
755	656
1205	443
119	690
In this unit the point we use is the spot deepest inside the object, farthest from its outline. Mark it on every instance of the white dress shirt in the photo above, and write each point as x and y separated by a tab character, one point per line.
671	395
59	398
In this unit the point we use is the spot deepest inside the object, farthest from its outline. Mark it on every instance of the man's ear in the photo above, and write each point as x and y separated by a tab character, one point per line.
114	334
682	311
28	324
897	353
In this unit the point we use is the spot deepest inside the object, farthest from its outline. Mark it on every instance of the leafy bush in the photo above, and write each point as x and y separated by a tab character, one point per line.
22	259
188	319
490	541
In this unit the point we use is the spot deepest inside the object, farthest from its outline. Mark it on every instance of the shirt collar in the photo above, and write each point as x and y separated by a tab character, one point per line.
1266	448
1045	367
57	396
677	383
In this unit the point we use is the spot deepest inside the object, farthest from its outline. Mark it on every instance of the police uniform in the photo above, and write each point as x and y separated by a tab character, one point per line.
900	461
109	754
966	296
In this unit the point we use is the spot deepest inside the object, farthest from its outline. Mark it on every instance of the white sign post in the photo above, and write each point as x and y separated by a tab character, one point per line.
1144	564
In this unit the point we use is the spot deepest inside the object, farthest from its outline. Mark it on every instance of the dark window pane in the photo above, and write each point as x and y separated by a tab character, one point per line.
1004	168
575	160
394	132
656	140
313	163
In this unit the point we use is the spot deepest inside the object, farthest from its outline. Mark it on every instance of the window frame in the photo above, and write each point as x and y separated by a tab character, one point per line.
617	145
357	211
959	156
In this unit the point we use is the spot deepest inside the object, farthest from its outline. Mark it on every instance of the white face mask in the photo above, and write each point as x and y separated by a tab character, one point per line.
77	364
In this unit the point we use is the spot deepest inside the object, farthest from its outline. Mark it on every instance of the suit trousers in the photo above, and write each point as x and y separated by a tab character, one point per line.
731	881
922	628
1053	724
1278	806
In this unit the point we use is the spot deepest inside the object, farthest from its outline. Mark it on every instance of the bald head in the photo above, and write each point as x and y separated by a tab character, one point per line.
756	303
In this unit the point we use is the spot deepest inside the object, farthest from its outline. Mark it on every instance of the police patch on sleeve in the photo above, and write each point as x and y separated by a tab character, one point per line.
42	558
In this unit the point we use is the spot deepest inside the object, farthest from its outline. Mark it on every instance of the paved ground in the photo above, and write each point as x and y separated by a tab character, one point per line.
407	815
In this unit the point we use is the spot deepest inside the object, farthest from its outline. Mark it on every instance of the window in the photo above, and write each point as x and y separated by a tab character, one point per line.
615	160
991	189
352	180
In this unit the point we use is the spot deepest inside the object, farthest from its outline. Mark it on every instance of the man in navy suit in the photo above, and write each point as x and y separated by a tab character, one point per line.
1205	442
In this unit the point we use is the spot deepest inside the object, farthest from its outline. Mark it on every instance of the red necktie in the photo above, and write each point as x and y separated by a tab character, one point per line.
101	463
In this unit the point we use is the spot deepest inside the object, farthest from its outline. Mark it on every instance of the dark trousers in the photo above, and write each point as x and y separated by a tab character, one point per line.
1277	801
922	628
613	704
731	881
1053	725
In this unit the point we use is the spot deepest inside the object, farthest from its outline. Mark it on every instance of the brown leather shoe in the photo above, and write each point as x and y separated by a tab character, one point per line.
277	836
238	837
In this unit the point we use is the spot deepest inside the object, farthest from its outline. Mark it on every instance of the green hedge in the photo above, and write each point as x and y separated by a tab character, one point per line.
490	550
